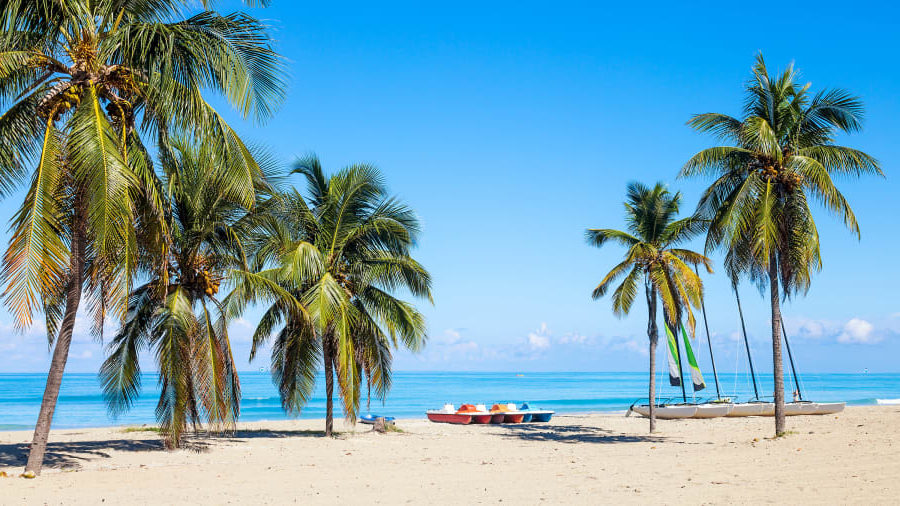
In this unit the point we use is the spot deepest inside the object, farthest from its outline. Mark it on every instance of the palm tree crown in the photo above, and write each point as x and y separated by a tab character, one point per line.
653	256
782	156
327	265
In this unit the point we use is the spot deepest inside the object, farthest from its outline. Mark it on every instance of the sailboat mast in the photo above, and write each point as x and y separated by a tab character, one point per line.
746	342
678	359
708	341
791	358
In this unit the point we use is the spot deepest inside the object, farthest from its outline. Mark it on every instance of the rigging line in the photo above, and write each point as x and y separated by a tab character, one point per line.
737	359
708	340
791	358
746	341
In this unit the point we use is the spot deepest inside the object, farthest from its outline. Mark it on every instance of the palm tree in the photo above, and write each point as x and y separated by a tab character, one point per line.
86	85
654	258
176	313
779	156
325	267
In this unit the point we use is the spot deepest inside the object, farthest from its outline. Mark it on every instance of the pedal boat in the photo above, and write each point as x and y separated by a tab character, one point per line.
534	414
511	414
448	414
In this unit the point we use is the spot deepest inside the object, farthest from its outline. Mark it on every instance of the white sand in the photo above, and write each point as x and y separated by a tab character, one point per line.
848	458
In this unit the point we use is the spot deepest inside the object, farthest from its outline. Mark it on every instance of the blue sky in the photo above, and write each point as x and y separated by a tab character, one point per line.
511	128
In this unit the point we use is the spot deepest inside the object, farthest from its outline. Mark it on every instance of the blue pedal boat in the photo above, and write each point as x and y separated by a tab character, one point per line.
533	414
370	419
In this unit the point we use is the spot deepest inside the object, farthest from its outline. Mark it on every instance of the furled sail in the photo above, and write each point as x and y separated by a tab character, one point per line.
674	358
696	376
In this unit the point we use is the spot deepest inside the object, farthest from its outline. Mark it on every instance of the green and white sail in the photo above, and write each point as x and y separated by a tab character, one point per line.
696	376
674	359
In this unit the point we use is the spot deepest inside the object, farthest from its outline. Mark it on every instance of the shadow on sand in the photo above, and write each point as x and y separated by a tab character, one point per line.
573	434
72	454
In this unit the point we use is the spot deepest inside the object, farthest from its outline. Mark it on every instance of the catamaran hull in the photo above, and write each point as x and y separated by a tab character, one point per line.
800	408
666	412
497	418
746	409
712	410
513	417
482	418
768	409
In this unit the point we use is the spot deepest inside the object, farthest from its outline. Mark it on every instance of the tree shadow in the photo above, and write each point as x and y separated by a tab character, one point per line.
272	434
71	455
573	434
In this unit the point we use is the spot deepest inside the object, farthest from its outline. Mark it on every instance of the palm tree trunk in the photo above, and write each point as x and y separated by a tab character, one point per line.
329	385
776	347
653	335
60	350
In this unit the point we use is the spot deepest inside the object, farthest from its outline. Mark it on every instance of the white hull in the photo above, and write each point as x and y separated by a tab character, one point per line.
768	409
800	408
747	409
666	412
713	410
829	408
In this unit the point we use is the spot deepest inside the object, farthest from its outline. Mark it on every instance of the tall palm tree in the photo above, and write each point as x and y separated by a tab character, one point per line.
325	266
654	258
176	313
780	155
86	85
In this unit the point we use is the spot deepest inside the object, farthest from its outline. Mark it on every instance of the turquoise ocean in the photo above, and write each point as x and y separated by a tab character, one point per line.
81	403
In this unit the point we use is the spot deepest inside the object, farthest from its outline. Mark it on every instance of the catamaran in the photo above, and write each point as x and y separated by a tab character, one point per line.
724	406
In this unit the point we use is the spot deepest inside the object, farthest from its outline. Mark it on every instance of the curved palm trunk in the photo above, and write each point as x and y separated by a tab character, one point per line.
653	335
776	347
60	351
328	353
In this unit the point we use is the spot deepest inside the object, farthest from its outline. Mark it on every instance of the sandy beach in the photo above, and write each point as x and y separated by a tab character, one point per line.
848	458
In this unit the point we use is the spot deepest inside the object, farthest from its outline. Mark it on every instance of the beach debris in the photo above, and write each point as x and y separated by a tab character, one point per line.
3	474
29	475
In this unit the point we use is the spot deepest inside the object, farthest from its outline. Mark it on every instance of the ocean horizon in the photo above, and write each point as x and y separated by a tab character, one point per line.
81	403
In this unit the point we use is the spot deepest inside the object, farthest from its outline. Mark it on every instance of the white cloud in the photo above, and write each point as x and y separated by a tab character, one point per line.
858	331
539	340
574	338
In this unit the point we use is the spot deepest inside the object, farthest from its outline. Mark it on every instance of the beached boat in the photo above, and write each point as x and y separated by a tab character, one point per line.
511	413
534	414
800	408
739	409
370	419
480	414
448	414
667	411
713	410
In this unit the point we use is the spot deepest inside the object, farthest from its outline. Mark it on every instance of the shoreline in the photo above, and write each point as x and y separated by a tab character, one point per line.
29	428
573	459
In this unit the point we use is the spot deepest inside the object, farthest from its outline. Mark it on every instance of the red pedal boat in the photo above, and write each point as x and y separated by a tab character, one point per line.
448	414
